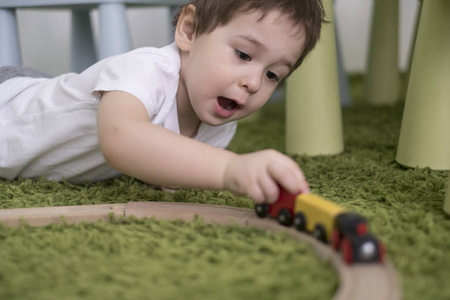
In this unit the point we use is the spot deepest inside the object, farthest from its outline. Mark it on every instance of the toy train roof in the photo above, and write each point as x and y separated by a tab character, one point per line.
313	200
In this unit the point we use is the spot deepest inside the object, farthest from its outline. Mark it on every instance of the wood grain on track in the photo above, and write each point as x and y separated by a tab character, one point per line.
356	282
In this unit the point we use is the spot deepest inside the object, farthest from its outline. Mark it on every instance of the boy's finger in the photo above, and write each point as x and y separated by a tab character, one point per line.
303	183
270	188
256	194
290	177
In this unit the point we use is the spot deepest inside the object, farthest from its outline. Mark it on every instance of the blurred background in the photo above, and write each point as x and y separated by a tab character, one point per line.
45	34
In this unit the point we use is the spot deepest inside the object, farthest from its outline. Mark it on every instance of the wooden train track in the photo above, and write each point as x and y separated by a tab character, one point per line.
356	282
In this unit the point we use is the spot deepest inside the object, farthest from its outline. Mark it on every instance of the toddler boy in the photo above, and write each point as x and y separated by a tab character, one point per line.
164	116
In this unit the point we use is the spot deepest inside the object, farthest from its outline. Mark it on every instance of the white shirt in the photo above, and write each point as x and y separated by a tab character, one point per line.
48	127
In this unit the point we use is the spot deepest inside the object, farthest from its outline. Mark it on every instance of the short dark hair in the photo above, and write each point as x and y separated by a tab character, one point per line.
213	13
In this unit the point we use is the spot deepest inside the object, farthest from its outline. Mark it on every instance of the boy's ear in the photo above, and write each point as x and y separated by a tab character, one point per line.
185	30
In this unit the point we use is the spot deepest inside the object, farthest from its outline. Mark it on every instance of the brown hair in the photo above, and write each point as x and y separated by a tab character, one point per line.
213	13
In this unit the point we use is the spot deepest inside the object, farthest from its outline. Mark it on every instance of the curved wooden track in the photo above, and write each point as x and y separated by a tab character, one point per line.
357	282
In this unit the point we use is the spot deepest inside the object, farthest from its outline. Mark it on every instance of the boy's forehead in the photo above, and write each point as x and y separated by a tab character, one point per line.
276	17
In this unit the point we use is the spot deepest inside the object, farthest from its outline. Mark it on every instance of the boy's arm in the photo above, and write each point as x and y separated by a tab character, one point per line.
136	147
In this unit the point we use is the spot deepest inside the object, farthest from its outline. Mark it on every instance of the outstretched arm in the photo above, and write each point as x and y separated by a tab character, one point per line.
136	147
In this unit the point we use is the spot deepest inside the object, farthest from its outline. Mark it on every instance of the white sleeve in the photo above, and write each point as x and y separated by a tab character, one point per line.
134	74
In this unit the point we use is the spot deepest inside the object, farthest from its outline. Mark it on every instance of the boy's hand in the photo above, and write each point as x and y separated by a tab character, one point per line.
259	175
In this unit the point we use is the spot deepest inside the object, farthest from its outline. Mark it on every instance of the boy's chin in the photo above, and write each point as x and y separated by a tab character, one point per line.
213	121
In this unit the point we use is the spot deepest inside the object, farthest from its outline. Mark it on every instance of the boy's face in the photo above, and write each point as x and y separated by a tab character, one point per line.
231	72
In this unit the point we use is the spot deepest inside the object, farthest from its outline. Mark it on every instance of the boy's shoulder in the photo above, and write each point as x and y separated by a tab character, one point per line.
168	55
149	74
139	67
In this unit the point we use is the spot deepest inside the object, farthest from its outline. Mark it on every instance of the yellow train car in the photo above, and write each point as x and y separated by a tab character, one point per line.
316	215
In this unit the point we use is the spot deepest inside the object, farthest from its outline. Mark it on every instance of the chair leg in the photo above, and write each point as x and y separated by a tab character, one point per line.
313	111
82	42
404	83
115	37
424	137
10	54
382	84
344	91
172	10
447	199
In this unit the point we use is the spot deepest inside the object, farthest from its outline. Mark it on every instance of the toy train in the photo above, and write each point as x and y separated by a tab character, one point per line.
329	223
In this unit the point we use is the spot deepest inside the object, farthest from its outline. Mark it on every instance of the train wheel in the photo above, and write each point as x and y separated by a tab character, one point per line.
336	239
320	233
285	217
300	221
347	251
361	249
262	210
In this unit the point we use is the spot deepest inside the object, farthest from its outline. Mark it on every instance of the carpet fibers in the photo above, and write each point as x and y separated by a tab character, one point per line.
155	259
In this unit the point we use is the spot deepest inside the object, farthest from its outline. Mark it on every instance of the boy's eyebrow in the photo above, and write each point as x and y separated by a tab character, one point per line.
258	43
252	40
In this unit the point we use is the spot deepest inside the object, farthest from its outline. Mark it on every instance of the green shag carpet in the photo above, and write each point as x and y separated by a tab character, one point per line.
155	259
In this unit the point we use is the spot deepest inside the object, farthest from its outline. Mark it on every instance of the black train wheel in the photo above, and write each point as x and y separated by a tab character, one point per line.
285	217
300	221
262	210
362	249
320	233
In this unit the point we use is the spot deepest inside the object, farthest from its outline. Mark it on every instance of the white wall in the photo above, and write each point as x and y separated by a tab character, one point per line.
45	35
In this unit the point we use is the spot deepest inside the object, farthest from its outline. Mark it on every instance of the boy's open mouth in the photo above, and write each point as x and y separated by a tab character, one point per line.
227	104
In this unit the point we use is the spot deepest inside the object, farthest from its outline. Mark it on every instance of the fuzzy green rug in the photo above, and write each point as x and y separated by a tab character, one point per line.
156	259
132	259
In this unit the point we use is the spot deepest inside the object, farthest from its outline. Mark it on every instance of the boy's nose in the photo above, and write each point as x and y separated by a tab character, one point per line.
251	83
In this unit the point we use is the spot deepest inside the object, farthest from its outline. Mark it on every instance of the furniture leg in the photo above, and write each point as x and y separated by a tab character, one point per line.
172	10
115	35
382	84
313	111
10	54
447	199
82	42
344	92
424	136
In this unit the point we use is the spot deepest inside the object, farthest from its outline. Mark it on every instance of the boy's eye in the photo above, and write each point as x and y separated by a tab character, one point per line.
243	55
272	76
